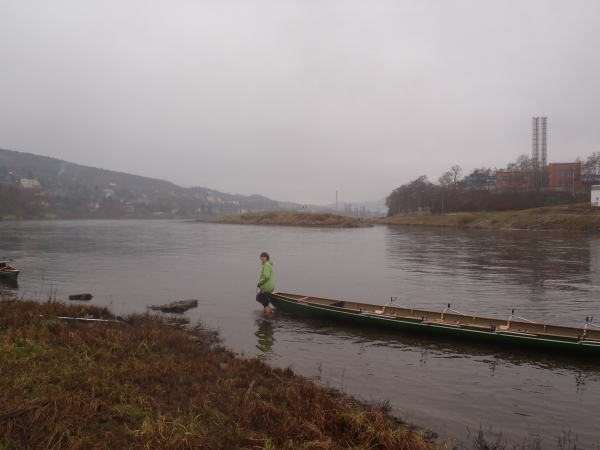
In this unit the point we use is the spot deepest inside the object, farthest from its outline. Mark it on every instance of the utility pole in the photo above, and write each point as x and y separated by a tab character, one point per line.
442	200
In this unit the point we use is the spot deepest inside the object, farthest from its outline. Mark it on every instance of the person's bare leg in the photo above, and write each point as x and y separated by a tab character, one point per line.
268	310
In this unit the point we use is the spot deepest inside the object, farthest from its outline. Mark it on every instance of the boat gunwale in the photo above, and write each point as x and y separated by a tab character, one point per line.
520	329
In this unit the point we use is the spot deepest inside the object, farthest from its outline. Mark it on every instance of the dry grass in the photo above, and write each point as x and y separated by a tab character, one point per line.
578	217
292	219
142	383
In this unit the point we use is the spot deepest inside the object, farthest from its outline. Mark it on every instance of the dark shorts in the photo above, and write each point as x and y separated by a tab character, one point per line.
264	298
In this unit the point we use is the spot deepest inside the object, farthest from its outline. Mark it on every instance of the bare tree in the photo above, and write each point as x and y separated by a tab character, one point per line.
446	179
408	196
591	166
451	178
456	174
523	164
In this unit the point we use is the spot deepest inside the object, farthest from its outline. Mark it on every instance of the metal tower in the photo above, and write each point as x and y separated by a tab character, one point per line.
543	151
539	150
535	150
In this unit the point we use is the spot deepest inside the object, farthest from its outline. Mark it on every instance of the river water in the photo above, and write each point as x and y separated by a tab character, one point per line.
454	388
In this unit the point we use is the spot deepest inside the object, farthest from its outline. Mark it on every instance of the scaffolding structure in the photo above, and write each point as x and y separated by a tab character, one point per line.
539	153
543	145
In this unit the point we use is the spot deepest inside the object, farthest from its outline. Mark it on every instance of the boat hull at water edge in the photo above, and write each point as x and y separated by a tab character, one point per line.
475	328
9	272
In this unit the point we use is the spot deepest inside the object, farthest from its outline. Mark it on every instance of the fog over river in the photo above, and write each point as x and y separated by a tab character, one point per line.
452	387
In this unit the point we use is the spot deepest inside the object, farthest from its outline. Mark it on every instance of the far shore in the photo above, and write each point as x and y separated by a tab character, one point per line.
294	219
578	217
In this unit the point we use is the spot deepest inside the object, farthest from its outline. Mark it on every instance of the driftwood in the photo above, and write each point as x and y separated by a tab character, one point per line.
81	297
176	307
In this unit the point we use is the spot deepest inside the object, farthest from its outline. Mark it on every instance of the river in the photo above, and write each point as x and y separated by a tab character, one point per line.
454	388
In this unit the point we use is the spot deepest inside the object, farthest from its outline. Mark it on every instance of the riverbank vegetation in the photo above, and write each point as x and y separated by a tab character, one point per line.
421	194
520	185
299	219
578	217
141	382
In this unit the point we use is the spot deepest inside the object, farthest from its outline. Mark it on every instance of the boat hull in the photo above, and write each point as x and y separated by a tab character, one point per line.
365	314
9	274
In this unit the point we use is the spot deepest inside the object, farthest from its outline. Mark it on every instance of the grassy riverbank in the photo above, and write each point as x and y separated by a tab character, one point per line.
578	217
298	219
143	383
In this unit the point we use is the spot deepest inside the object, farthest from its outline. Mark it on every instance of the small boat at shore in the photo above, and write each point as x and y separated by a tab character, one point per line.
516	330
7	271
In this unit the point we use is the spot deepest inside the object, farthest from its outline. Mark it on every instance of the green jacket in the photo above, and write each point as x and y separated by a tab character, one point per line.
267	281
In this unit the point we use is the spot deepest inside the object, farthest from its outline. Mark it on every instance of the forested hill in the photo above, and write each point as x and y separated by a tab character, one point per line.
68	190
46	169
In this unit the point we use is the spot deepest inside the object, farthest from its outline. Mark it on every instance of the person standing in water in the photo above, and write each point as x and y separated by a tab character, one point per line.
266	283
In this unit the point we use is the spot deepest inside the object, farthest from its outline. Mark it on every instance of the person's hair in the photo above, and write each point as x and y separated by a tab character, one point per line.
266	255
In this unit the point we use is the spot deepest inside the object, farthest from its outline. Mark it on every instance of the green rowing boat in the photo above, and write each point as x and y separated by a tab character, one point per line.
7	271
515	330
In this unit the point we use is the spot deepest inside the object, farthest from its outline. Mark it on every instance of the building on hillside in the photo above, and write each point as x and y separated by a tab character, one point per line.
480	181
28	183
108	193
514	180
564	175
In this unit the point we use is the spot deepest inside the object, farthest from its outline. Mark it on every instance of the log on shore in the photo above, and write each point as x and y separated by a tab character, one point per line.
175	307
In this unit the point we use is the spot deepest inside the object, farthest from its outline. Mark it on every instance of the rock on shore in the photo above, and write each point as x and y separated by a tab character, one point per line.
175	307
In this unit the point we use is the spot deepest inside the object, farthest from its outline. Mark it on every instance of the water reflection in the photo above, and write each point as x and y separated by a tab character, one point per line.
488	272
8	284
498	384
491	354
265	335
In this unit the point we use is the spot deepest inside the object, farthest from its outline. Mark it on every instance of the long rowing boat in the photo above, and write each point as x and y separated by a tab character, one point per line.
515	330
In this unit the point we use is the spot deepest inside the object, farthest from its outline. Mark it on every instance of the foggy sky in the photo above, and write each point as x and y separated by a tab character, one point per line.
297	99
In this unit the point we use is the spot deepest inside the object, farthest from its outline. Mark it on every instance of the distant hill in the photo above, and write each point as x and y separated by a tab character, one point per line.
46	169
72	190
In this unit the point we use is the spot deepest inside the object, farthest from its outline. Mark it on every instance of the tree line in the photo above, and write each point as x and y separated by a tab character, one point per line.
448	194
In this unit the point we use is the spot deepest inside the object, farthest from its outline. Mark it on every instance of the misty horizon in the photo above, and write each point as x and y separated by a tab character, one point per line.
296	101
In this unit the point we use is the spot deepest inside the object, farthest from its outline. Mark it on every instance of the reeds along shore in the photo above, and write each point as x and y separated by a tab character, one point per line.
139	382
579	217
299	219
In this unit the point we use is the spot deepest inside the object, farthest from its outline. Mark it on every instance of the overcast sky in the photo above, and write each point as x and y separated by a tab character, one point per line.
297	99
